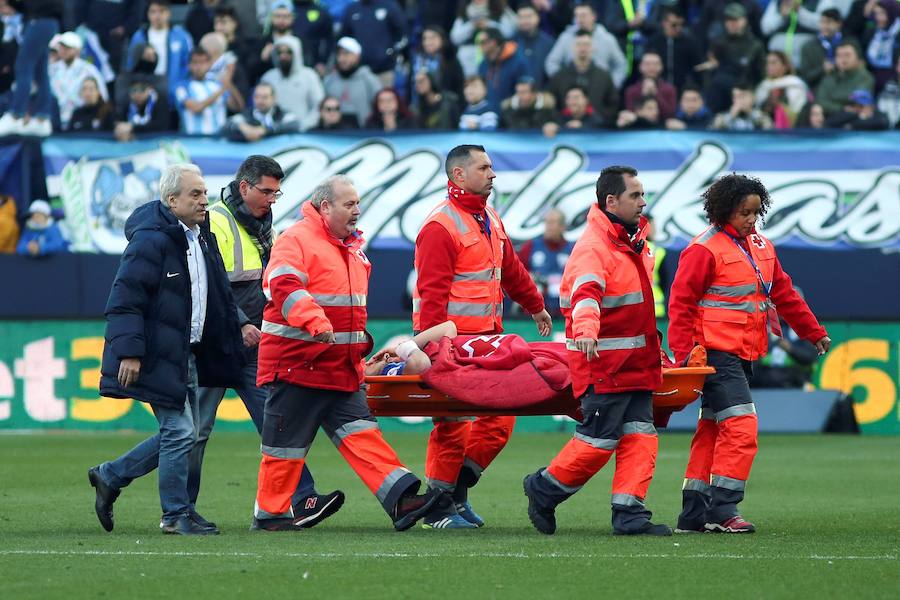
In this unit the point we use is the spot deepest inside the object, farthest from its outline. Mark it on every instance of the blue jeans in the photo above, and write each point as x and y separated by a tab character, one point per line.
169	449
31	66
255	400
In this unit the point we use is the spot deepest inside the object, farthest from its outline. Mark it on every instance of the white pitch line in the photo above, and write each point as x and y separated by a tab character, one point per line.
407	555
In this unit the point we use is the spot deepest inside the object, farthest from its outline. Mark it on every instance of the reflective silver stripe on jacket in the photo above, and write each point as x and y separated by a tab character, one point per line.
484	275
587	278
238	273
696	485
455	216
623	300
389	482
622	343
295	333
566	488
638	427
287	453
417	305
708	235
728	483
292	299
287	270
350	428
747	307
586	303
626	500
599	443
340	299
738	410
731	291
466	309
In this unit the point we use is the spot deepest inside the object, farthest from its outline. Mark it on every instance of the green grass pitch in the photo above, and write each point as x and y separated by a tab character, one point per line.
826	509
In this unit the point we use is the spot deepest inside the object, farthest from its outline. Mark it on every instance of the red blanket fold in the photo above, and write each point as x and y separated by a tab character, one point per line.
497	371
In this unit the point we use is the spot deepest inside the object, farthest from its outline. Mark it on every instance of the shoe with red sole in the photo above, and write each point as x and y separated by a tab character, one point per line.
735	524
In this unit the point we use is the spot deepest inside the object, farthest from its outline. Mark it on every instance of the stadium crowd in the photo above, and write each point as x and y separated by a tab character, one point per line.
246	70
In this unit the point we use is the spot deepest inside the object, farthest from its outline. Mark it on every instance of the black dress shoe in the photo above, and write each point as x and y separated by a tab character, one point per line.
199	520
314	509
410	509
185	525
104	498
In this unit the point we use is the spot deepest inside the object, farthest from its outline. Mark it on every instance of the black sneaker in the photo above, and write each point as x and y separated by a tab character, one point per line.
185	525
689	526
542	517
410	509
314	509
279	524
648	528
105	496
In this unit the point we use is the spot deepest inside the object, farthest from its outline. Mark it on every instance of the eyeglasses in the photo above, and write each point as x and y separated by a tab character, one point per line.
267	192
331	108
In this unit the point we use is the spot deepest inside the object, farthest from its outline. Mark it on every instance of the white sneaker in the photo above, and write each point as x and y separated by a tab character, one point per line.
9	125
37	127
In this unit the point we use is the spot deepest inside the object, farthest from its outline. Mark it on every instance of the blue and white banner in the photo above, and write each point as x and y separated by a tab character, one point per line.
836	190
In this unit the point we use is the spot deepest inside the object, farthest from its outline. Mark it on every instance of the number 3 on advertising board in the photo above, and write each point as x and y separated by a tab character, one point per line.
839	371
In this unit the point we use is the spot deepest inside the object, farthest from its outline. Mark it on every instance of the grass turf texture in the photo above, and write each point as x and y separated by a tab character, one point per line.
825	508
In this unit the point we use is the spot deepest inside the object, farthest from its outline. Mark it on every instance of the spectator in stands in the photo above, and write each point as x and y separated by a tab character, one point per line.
313	25
9	225
238	44
556	15
817	56
436	13
389	112
849	74
859	18
646	115
282	24
735	56
352	83
711	23
584	72
811	117
42	20
95	113
502	66
224	68
68	73
41	236
859	114
265	118
535	45
332	119
679	52
475	16
173	44
881	41
606	53
743	115
479	114
633	22
144	61
781	94
789	25
380	28
298	89
147	110
527	108
889	98
545	258
692	112
114	22
577	114
201	101
436	55
436	108
12	27
199	19
652	85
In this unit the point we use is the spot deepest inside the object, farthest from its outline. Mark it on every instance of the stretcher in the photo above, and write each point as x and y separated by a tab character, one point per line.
409	396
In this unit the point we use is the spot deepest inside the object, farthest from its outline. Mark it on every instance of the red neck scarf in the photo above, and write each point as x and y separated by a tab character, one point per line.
473	203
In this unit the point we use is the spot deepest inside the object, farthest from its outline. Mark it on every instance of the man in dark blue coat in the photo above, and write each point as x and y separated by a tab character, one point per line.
170	321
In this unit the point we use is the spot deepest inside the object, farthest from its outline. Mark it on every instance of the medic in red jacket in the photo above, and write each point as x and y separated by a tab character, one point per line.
728	292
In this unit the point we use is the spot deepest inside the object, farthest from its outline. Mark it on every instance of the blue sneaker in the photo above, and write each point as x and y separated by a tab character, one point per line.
453	521
465	511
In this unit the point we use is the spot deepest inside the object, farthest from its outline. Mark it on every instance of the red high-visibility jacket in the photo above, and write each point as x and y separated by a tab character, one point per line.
607	294
314	283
